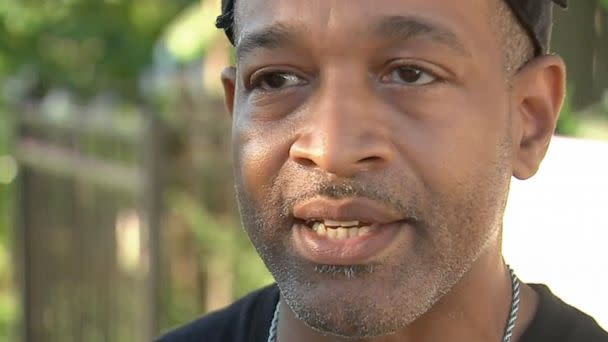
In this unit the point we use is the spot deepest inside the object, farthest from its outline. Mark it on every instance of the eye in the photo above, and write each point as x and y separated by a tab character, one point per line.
272	81
409	75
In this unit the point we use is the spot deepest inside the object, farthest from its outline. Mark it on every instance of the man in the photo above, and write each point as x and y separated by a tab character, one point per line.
374	143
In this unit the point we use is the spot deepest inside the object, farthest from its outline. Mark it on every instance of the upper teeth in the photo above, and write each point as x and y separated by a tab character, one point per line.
332	223
339	232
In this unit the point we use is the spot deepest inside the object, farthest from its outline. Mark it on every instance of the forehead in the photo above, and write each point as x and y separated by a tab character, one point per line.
337	20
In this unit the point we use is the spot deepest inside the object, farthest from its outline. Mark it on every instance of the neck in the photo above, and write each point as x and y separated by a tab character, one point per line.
475	309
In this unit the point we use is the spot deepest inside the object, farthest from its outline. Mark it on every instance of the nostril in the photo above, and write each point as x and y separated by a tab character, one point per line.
373	159
305	162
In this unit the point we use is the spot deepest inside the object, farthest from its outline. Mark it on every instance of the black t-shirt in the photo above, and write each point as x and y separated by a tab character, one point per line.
248	320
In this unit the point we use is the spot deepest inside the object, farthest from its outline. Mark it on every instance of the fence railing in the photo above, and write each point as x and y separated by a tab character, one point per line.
87	230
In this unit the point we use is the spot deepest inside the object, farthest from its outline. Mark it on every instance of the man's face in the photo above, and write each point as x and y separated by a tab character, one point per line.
393	114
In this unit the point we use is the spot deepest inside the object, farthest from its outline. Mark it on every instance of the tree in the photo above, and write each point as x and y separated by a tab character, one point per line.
87	46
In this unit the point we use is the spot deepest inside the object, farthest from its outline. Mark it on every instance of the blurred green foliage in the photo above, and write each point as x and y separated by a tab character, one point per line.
568	123
87	46
221	236
192	33
8	301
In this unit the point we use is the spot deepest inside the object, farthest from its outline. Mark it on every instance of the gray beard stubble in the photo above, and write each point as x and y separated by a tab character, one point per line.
433	278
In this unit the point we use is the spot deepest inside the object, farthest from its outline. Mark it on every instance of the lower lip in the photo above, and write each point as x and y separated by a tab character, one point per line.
351	251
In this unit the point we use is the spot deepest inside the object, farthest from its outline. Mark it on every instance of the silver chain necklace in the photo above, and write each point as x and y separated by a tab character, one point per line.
506	337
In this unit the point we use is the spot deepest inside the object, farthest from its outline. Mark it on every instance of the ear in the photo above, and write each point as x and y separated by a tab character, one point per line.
229	82
538	91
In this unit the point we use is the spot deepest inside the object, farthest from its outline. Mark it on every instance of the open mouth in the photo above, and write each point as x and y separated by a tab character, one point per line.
349	231
331	242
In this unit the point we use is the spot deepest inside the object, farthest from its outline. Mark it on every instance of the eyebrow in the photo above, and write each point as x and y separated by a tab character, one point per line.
407	27
270	37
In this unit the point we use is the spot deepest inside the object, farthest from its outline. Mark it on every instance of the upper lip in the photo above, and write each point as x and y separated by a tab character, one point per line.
349	209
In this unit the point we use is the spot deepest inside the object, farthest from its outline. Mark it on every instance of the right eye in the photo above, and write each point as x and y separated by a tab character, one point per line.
411	76
273	81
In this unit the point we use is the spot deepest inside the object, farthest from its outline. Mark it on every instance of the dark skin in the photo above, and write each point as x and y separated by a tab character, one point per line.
404	102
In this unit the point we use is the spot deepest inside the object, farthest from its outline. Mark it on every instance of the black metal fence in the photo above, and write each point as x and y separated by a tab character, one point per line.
87	230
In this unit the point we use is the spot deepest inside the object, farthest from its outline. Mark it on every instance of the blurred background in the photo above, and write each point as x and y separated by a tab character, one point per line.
117	213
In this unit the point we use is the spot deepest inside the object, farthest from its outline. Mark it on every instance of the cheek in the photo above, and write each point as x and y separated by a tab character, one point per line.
258	155
455	140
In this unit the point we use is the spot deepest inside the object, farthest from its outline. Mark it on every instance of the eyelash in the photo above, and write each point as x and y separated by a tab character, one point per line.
258	77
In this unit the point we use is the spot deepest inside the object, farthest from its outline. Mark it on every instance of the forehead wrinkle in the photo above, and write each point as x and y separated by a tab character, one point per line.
408	27
393	27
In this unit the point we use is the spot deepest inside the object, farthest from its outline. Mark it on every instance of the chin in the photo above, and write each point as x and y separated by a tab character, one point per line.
351	319
356	308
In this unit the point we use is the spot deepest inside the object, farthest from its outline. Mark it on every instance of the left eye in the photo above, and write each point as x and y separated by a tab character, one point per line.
410	76
276	81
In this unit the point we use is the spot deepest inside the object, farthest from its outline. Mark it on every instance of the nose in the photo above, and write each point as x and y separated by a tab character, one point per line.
346	133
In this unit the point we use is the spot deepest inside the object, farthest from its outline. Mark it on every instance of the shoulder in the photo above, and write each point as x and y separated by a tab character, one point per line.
557	321
248	319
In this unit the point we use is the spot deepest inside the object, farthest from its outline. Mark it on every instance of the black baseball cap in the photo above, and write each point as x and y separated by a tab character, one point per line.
536	16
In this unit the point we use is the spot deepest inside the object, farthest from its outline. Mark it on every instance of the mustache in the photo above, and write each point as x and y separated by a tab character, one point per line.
351	189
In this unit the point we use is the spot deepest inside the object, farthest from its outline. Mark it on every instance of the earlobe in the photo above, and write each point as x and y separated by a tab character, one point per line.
229	82
538	94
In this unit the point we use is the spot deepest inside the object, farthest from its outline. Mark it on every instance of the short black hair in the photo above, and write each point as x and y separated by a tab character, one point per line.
225	20
517	45
536	17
